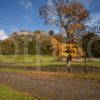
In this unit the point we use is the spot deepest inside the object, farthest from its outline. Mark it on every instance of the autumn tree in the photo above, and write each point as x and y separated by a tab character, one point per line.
69	15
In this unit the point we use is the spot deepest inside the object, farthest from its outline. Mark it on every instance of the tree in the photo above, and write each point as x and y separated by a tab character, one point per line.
96	49
69	15
37	42
85	39
7	47
95	46
51	32
59	48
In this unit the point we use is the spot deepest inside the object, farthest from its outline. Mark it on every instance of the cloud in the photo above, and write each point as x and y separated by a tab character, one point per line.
95	20
27	4
3	35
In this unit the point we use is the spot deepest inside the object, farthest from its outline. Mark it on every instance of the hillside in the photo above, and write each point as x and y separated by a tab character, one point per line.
26	43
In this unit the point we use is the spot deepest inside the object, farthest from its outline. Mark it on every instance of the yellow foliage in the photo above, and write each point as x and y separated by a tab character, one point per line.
60	49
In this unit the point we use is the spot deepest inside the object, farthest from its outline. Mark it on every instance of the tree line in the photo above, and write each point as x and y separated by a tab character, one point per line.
45	44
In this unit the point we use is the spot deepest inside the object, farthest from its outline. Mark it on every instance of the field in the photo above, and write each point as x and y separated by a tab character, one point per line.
29	60
19	60
45	78
7	93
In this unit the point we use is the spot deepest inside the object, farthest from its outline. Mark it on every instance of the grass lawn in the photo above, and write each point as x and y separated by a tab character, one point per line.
7	93
33	60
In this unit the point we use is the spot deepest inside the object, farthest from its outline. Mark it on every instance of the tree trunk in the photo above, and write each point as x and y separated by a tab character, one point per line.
69	61
85	64
69	66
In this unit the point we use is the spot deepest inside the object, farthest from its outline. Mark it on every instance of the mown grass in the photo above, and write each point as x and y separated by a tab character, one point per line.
35	60
7	93
22	61
38	60
89	63
25	58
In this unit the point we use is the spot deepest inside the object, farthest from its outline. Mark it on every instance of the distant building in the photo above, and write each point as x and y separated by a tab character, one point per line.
23	33
38	32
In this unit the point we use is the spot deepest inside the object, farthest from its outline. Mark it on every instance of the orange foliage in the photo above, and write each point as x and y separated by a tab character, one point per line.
76	9
59	49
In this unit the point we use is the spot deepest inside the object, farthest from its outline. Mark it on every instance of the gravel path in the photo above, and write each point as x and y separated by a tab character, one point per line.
53	88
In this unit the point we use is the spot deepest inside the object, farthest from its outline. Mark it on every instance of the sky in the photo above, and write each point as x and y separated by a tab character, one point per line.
18	15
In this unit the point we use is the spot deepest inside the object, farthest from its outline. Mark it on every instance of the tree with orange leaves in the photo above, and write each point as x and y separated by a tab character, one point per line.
69	15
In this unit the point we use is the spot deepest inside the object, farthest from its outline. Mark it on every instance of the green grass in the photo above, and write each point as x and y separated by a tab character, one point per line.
33	60
7	93
25	58
90	64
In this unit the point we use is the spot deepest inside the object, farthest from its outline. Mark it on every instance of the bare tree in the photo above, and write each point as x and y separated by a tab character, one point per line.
69	15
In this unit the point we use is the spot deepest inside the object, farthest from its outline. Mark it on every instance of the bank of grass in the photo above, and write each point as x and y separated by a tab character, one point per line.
30	60
7	93
39	60
89	64
19	62
26	58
